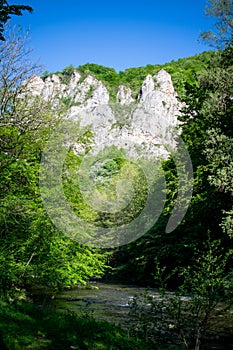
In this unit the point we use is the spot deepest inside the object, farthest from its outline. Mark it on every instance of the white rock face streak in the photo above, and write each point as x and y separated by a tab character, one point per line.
124	95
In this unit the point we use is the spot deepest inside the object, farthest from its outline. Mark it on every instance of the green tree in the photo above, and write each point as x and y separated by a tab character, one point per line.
188	315
221	35
206	87
218	107
33	252
6	11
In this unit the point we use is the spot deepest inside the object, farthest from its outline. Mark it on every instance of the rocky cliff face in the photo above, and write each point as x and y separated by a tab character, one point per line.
141	126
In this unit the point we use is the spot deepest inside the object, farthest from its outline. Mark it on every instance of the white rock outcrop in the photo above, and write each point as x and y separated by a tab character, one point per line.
124	95
144	129
147	86
74	81
49	88
35	85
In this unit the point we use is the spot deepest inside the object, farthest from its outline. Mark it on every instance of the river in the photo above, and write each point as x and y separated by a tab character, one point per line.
111	302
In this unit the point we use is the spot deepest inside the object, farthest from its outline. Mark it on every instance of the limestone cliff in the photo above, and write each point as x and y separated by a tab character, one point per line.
140	126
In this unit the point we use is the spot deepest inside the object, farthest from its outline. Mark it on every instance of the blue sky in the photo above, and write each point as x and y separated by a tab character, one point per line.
118	34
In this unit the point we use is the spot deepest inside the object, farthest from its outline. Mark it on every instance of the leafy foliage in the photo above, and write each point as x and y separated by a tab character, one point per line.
185	317
206	88
33	251
221	35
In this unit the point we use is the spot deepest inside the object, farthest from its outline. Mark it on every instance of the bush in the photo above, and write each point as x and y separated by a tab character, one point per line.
187	316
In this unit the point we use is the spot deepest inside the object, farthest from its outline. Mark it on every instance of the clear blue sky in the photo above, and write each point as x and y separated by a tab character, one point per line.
118	34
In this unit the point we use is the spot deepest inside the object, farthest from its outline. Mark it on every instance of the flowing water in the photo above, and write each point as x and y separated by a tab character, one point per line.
105	301
111	302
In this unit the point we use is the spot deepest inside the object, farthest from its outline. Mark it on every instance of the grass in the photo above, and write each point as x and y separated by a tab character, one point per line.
25	326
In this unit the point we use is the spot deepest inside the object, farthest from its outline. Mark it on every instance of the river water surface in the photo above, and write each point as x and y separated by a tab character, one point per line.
110	302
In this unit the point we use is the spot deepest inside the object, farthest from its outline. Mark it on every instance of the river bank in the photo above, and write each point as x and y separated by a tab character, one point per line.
26	326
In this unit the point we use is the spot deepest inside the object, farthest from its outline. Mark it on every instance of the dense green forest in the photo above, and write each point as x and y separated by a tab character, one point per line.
194	259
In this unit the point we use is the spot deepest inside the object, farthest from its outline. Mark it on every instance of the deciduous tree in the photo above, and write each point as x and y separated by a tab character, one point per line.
221	35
